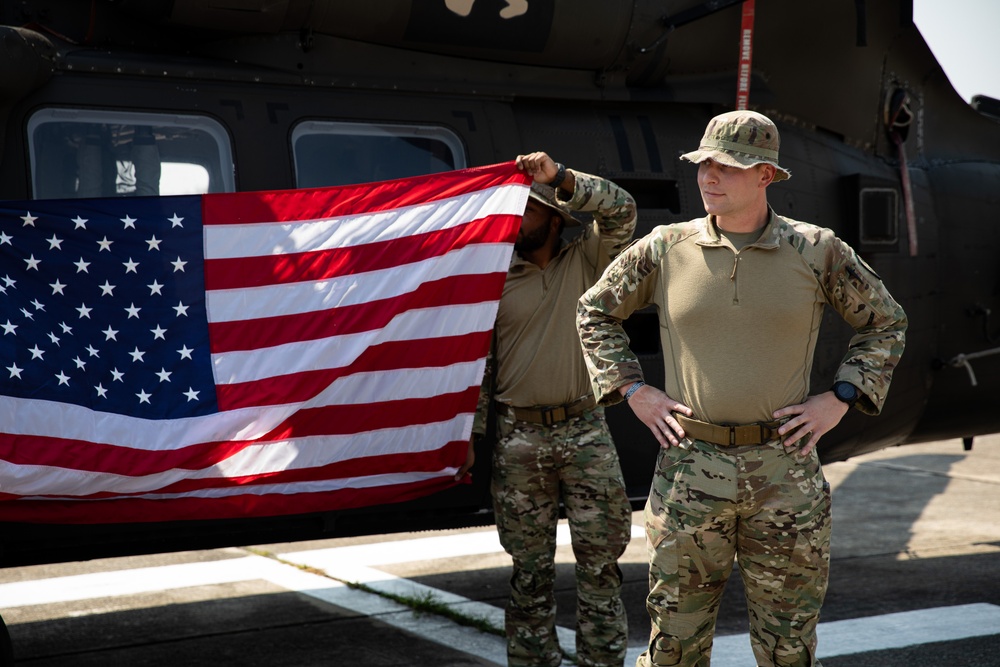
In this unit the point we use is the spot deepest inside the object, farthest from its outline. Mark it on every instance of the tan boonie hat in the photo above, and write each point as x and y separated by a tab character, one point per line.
546	195
740	139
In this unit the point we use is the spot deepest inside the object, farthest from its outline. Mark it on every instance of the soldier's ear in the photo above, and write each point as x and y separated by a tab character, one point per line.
767	173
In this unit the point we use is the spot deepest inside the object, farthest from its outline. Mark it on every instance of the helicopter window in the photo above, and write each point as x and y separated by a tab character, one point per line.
105	153
879	216
338	153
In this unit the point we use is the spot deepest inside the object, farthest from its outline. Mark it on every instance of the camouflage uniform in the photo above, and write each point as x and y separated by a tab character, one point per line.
534	468
763	504
537	363
738	330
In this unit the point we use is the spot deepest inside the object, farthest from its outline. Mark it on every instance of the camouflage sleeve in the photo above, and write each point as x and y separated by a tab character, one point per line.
627	285
613	208
485	395
855	291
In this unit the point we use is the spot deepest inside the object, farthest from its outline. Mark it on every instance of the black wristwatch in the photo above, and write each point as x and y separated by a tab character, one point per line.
560	176
846	392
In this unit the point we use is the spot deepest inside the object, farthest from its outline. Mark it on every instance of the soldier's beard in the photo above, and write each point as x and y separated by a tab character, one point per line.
533	240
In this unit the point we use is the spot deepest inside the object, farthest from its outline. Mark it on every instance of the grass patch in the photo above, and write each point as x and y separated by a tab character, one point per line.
424	603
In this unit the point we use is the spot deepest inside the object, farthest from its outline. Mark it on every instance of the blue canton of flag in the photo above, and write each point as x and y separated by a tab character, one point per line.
105	307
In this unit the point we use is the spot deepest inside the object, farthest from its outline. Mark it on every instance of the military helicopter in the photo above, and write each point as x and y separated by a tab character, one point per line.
252	95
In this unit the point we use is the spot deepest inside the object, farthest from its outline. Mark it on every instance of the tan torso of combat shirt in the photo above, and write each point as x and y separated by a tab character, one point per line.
537	357
739	328
535	331
731	318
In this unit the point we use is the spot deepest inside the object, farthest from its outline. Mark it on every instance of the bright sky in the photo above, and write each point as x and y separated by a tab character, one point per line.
963	34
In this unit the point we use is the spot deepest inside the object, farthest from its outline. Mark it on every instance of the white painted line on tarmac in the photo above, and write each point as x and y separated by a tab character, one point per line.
393	585
153	579
908	628
426	626
424	548
123	582
874	633
352	564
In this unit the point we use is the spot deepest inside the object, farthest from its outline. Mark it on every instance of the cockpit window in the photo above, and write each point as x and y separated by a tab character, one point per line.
106	153
339	153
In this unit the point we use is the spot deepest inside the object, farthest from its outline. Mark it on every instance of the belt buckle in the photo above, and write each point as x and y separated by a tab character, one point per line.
731	430
549	415
740	437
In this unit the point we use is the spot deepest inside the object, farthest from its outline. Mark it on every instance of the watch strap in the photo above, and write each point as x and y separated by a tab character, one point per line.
560	175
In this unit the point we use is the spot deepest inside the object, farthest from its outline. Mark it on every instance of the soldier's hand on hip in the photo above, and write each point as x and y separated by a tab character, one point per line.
813	418
656	410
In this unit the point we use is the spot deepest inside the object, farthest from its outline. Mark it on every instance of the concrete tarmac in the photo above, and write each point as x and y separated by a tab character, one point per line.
915	581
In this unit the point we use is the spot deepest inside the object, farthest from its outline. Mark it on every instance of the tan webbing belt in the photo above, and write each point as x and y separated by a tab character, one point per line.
729	436
549	414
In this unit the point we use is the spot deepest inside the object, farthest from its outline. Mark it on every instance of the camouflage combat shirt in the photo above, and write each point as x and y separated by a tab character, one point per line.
738	329
537	352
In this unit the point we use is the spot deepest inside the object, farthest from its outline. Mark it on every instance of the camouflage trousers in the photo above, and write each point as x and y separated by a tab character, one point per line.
767	507
534	468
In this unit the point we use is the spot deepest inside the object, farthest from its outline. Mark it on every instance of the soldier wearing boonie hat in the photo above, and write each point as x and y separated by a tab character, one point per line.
739	295
740	139
554	448
545	194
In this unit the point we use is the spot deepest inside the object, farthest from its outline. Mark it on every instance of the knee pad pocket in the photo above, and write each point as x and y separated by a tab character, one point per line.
665	650
792	652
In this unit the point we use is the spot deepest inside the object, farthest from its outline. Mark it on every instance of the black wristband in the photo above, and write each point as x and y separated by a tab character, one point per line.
560	175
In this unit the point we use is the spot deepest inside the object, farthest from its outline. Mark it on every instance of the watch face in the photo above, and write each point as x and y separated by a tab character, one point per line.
845	391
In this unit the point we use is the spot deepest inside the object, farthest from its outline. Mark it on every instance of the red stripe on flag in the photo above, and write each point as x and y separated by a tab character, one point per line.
253	334
242	272
450	456
394	355
138	510
327	420
296	205
354	419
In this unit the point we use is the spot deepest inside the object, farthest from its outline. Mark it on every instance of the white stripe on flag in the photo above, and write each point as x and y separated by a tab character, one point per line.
290	358
264	239
293	454
292	488
64	420
245	303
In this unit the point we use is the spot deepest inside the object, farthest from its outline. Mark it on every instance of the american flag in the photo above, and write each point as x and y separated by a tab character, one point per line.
246	354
